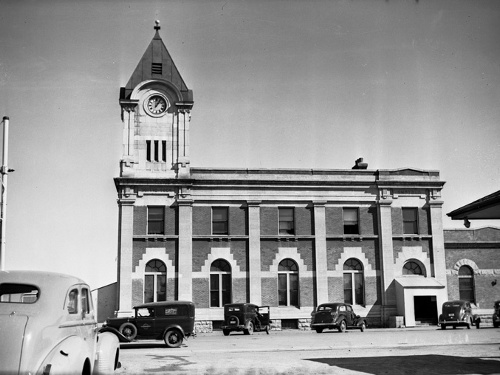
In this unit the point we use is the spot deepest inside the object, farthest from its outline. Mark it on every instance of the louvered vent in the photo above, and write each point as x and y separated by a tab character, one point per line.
156	68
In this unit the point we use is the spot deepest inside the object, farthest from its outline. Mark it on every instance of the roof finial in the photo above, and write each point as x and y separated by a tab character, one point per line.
157	25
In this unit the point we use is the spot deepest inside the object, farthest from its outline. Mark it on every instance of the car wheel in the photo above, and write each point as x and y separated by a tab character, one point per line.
496	325
319	330
478	323
128	330
249	329
342	326
362	327
173	338
443	326
226	332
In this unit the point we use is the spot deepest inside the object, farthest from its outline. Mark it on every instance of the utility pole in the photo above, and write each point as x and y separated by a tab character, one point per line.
4	170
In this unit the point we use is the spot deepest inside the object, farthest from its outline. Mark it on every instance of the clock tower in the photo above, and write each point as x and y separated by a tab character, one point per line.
155	110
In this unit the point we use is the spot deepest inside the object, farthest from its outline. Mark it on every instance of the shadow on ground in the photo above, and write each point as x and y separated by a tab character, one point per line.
416	365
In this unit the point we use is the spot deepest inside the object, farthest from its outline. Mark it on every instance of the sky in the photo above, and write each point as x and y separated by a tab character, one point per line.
276	84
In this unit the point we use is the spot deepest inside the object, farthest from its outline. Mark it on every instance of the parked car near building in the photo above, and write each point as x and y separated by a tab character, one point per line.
48	326
246	318
171	322
496	314
336	316
457	313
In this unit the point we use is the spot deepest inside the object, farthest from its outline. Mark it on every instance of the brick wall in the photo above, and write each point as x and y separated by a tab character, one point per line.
238	225
304	225
269	291
239	290
140	246
141	220
368	221
201	292
487	258
306	291
269	221
398	247
334	221
202	221
202	247
335	289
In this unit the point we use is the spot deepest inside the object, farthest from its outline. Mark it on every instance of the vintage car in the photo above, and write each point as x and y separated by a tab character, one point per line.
496	314
48	326
336	316
171	322
457	313
246	318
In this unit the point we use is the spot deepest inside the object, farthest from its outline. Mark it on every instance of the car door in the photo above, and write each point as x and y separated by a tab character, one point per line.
89	324
350	317
145	321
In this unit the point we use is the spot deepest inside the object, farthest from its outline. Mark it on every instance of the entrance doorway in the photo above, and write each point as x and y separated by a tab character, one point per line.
425	310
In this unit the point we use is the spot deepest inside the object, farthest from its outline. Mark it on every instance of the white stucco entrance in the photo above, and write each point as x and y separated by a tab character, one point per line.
425	292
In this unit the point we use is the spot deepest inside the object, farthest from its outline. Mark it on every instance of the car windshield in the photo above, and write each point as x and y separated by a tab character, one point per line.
18	293
325	308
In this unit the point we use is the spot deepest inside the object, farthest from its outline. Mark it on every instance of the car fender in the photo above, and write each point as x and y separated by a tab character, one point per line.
70	356
174	326
107	353
360	321
114	331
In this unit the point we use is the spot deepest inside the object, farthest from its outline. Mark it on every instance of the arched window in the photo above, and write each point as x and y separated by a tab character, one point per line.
354	290
220	283
466	284
155	281
413	268
288	283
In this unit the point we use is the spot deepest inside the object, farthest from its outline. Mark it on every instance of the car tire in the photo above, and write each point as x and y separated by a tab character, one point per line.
342	326
173	338
319	330
128	330
226	332
249	329
362	327
443	326
496	325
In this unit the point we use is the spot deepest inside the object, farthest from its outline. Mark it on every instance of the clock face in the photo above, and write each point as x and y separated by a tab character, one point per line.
156	104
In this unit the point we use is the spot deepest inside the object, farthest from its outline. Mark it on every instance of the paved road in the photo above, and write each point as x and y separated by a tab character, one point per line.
376	351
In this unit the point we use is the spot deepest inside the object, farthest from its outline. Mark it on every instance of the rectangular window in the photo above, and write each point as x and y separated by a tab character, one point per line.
156	220
286	221
351	221
410	222
156	151
148	150
220	222
163	151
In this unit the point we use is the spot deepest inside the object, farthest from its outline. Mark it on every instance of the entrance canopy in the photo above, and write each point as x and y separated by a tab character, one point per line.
486	208
407	288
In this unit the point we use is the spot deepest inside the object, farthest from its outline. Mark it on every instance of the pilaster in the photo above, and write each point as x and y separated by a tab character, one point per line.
254	258
185	253
386	258
320	253
439	259
125	253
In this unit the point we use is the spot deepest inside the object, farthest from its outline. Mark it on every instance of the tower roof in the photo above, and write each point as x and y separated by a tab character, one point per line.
157	64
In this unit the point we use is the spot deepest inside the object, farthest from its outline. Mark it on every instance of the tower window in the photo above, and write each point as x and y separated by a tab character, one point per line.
220	223
156	220
148	150
410	221
156	68
163	150
156	150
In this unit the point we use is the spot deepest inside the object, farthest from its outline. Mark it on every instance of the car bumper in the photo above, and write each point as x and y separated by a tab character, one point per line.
453	322
234	328
323	325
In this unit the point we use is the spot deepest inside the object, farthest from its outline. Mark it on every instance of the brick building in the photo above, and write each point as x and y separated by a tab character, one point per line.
287	238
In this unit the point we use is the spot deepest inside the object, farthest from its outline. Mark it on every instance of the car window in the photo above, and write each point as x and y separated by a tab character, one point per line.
72	302
324	308
342	308
145	312
18	293
349	308
234	309
85	301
